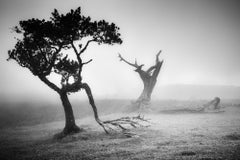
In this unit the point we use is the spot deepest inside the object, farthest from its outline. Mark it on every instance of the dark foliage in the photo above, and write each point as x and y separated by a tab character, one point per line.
40	49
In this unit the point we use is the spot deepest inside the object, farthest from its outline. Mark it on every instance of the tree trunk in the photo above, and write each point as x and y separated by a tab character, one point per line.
145	95
70	125
147	90
149	78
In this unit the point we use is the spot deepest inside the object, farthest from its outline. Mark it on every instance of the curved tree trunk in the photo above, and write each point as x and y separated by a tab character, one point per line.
92	103
70	125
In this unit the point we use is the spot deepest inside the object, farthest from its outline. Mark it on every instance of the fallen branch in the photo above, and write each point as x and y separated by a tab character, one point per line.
124	123
111	125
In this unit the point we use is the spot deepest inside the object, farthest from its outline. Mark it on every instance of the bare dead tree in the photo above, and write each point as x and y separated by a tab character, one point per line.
149	78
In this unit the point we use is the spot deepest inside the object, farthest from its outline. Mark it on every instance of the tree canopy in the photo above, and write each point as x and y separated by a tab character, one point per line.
41	47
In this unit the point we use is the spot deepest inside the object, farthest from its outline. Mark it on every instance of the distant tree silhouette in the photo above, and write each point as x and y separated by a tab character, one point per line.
149	78
42	49
213	105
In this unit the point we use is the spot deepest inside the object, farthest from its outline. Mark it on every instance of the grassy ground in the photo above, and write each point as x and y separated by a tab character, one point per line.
173	135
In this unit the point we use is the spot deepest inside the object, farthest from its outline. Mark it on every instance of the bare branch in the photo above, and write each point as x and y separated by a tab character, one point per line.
85	47
136	61
87	62
157	56
131	64
125	122
119	123
157	70
151	68
74	48
91	101
157	61
77	54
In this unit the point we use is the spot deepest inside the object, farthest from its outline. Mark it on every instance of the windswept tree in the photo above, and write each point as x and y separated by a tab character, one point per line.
149	78
46	47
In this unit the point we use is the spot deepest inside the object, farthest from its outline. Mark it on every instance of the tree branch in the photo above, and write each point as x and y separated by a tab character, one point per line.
87	62
151	68
131	64
45	58
85	47
77	54
53	60
91	101
157	56
157	70
50	84
74	48
157	61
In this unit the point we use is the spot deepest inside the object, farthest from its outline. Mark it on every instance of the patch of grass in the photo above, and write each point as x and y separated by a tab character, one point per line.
188	153
233	137
171	137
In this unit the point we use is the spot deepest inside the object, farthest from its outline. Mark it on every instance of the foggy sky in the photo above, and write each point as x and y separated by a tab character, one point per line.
199	42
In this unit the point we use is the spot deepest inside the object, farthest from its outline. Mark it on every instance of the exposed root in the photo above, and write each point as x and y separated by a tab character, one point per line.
124	123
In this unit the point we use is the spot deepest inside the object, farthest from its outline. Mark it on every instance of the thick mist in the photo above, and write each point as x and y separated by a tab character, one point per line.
199	40
192	113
